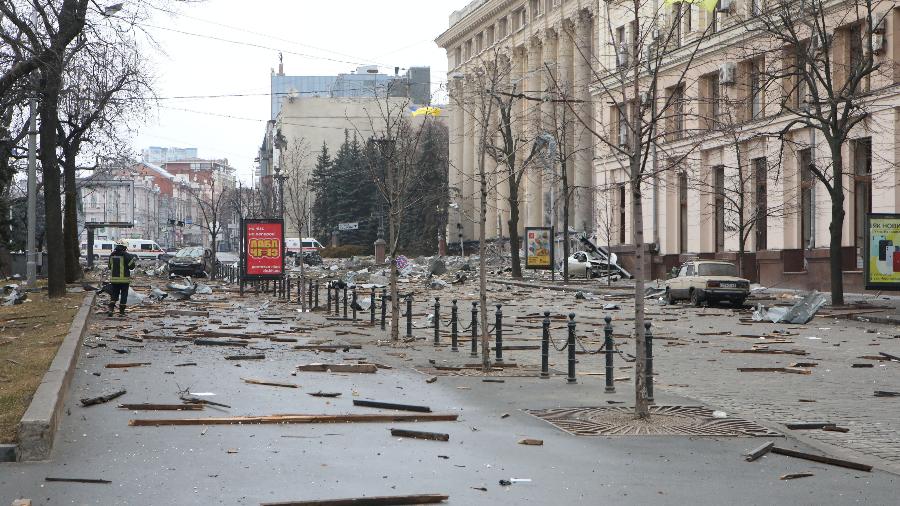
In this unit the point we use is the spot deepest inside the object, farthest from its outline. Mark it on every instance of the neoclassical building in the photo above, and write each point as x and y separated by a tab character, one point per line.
549	46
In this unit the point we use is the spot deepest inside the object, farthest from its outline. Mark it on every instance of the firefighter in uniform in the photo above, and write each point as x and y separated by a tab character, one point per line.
121	263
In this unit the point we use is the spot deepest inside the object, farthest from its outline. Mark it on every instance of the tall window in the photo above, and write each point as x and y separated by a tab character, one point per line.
678	11
622	218
719	206
756	7
620	124
535	7
621	47
502	26
801	57
490	35
856	57
807	195
761	222
862	191
682	212
479	43
755	87
710	103
676	117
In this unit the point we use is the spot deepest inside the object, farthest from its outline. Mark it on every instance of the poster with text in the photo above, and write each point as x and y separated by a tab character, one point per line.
882	265
263	246
538	248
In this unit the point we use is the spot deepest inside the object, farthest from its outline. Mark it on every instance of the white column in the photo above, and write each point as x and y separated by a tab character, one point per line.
467	183
456	159
584	180
534	200
548	165
566	73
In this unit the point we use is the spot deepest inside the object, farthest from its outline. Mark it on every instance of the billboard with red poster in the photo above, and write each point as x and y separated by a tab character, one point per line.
263	249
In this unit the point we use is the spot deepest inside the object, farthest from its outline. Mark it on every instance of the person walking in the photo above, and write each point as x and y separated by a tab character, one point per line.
121	263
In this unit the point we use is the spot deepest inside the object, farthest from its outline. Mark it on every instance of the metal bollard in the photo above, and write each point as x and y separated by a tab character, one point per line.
337	300
498	335
571	345
309	296
474	352
648	367
345	301
454	336
545	347
299	292
289	290
609	346
372	307
409	301
328	296
437	321
317	294
353	303
383	307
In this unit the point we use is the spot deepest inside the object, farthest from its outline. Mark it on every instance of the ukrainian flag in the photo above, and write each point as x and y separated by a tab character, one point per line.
709	5
427	111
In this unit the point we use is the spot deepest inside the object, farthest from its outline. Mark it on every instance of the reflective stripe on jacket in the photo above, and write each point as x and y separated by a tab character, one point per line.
120	266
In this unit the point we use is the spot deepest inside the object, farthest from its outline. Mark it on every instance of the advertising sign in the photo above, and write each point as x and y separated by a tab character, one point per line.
882	264
264	249
348	226
539	248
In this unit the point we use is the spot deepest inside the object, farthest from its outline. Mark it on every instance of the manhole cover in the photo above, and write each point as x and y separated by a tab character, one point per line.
506	372
664	421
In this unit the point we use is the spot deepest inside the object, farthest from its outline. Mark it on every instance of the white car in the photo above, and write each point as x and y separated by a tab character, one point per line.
707	281
582	264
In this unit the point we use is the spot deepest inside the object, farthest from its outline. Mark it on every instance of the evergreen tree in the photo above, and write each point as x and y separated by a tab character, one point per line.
321	188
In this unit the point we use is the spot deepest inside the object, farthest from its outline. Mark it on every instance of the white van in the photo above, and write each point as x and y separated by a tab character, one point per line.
102	248
144	249
293	245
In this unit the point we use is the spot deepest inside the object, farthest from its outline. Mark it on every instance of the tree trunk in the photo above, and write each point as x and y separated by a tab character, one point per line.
212	246
70	218
514	227
837	224
565	225
395	299
641	407
302	289
48	111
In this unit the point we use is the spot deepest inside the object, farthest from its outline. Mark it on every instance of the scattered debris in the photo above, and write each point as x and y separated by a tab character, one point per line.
187	312
889	356
100	399
368	501
126	365
162	407
186	364
801	312
767	351
219	342
719	414
269	383
391	405
861	366
357	368
78	480
492	380
258	356
793	370
759	452
822	459
510	481
431	379
324	394
885	393
808	425
433	436
794	476
294	419
531	442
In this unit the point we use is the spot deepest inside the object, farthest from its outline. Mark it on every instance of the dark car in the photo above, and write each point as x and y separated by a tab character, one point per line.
193	261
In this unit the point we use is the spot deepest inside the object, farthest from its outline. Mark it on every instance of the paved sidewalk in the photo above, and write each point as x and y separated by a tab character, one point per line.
251	464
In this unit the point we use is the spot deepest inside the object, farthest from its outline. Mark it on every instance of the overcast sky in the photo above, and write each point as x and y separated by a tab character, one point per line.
316	37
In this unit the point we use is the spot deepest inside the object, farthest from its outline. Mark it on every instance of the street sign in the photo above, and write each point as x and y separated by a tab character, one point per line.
348	226
264	249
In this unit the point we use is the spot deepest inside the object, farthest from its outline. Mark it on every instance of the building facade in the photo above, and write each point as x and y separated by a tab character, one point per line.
548	47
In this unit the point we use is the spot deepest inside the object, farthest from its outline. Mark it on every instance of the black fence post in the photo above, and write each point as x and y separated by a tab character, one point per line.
289	290
337	300
328	296
353	303
498	335
648	368
345	301
608	346
437	321
317	294
409	301
571	345
474	352
383	307
372	307
454	336
309	297
545	347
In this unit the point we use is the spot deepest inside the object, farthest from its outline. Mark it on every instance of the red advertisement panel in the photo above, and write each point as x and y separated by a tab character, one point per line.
264	247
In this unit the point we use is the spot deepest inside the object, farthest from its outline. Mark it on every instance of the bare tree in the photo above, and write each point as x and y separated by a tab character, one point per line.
297	198
832	55
212	196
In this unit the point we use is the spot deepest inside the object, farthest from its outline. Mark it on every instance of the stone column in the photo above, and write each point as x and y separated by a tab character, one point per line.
548	165
467	183
584	142
534	198
490	167
566	71
519	125
457	120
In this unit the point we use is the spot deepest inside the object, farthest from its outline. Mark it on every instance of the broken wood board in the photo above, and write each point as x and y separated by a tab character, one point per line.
126	366
822	459
416	434
269	383
760	451
792	370
391	405
258	356
186	312
100	399
368	501
162	407
78	480
327	347
356	368
219	342
294	419
766	351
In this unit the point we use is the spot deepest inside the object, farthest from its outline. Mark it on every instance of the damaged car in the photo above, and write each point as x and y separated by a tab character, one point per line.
707	282
193	261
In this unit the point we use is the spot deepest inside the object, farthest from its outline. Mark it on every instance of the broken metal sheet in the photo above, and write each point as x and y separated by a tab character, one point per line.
801	312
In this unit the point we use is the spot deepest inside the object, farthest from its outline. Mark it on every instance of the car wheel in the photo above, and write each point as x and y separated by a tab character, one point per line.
670	300
695	298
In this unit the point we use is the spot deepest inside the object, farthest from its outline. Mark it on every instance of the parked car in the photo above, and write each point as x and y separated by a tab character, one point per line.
192	261
707	281
102	248
144	249
581	264
294	245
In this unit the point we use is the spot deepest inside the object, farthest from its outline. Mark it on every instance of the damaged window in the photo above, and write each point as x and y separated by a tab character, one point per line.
717	270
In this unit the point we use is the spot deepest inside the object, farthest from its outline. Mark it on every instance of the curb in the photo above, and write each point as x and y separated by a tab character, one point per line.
37	428
573	289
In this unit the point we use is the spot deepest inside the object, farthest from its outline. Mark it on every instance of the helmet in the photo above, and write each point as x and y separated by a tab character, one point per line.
121	244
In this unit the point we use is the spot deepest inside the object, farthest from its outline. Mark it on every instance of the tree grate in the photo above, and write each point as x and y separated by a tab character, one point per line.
663	421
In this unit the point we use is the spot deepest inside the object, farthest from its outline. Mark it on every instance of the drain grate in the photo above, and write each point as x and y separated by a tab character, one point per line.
664	421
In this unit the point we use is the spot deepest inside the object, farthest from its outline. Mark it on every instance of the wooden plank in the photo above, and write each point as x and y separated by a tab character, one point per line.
807	425
889	356
100	399
219	342
391	405
322	347
822	459
186	312
765	351
417	434
269	383
886	393
78	480
126	366
258	356
324	394
759	452
357	368
162	407
293	419
368	501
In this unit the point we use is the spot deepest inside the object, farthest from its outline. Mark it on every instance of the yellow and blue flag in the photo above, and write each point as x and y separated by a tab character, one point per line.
427	111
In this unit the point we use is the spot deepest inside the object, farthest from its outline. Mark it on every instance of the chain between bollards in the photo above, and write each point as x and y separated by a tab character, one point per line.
474	352
648	367
454	336
498	335
608	347
437	321
545	346
571	345
409	312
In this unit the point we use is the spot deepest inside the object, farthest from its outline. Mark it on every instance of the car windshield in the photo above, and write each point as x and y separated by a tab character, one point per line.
717	270
190	252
